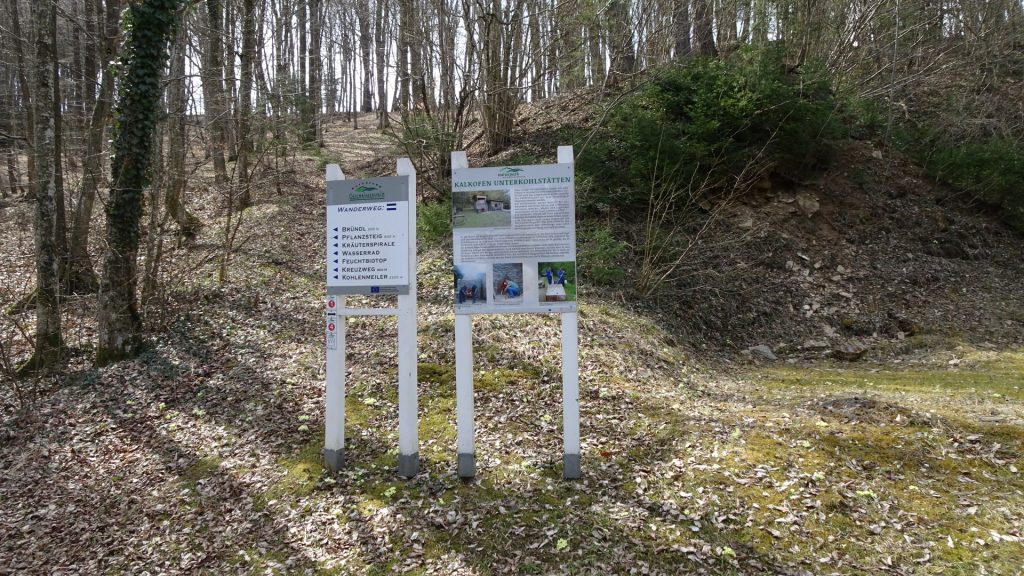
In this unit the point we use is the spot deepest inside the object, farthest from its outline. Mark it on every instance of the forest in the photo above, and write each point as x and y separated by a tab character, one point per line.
800	253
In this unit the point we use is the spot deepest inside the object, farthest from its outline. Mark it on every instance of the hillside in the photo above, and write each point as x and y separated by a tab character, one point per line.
202	455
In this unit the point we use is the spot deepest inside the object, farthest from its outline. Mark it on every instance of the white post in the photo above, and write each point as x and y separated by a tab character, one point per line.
464	375
334	417
571	467
570	398
408	420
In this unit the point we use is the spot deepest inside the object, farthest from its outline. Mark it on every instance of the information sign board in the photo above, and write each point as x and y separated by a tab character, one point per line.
514	248
514	239
368	236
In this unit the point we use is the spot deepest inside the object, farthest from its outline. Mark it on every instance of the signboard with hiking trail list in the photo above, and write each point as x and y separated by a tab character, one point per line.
368	236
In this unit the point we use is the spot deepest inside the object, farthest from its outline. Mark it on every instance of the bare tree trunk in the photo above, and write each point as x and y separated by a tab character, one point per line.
366	54
704	28
759	29
300	29
446	31
315	71
536	54
8	112
245	99
405	43
49	344
81	277
726	14
174	200
230	93
213	90
595	41
154	240
418	85
60	233
380	24
23	85
681	21
747	6
620	40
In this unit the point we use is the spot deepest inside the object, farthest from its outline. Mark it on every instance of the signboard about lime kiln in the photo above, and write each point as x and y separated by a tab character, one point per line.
368	236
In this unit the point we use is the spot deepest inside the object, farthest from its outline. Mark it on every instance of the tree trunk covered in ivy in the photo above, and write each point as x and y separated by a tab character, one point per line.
150	25
49	345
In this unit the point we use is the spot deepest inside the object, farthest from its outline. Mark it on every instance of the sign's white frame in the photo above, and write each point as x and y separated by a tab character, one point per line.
336	314
571	467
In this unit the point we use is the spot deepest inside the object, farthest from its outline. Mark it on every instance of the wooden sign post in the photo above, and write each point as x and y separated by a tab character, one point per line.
514	247
371	250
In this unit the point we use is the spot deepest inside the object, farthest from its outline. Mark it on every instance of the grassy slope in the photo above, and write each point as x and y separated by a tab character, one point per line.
202	456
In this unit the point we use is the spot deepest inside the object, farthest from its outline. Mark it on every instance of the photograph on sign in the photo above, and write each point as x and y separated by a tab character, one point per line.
368	236
487	209
557	281
508	284
511	220
470	285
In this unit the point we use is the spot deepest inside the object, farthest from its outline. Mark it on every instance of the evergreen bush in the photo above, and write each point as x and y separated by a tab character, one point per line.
706	122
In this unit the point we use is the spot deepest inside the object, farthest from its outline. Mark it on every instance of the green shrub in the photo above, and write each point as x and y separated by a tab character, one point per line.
598	254
706	123
429	142
991	170
434	222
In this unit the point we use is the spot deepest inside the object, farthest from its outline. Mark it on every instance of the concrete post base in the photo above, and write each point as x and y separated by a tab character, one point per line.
408	465
467	465
571	468
334	459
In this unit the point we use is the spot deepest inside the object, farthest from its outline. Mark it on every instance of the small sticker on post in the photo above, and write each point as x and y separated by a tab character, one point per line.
332	327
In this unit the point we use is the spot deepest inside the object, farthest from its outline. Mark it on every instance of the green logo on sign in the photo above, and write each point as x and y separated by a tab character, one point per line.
365	192
510	172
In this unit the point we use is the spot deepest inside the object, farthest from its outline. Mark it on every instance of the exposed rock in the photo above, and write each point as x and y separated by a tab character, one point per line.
808	203
814	346
764	352
849	351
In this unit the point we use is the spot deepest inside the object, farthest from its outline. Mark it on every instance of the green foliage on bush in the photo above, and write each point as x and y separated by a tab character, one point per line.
429	142
599	254
993	170
990	169
433	222
709	122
